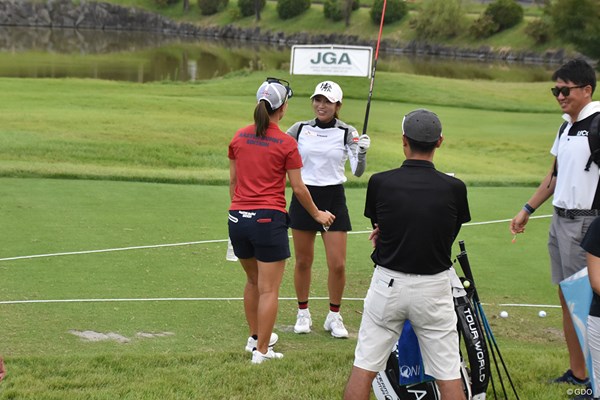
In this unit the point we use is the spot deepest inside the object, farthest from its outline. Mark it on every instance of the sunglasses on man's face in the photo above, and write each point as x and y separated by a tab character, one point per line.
283	83
565	90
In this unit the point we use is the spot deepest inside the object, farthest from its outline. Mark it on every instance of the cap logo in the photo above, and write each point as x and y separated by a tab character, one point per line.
326	87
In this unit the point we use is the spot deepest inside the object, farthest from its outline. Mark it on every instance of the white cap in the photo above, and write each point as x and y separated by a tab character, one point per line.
331	90
273	92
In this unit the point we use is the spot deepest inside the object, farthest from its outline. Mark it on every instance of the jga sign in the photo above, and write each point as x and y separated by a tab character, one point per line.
331	60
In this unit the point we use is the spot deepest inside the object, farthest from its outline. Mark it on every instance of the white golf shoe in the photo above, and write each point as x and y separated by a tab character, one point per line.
303	322
252	343
334	323
258	357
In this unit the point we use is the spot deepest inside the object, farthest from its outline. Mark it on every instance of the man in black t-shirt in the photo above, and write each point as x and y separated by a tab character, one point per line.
416	212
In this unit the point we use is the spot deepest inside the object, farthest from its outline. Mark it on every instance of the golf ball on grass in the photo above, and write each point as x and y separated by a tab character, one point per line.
542	314
503	314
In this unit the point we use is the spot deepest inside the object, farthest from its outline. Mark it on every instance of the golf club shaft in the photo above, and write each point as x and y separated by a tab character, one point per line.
493	346
489	333
364	131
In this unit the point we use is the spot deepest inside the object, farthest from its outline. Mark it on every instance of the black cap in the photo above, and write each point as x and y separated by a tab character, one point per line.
422	125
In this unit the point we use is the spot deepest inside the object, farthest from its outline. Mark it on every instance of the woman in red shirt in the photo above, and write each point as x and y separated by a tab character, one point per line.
261	156
2	370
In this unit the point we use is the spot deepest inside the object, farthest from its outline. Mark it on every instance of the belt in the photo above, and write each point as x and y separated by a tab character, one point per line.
561	212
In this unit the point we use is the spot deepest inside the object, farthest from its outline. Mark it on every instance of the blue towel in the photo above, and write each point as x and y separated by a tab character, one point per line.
410	362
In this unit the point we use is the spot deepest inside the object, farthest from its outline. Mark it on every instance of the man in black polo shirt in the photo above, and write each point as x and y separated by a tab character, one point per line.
417	213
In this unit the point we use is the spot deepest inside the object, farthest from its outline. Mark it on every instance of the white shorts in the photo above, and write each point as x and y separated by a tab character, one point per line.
425	300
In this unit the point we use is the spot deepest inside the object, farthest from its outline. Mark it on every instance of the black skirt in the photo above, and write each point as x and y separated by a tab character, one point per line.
326	198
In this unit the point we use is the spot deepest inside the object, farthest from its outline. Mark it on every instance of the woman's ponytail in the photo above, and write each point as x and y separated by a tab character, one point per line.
262	113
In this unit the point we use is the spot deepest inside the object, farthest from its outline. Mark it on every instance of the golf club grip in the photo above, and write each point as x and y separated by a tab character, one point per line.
364	131
372	84
463	260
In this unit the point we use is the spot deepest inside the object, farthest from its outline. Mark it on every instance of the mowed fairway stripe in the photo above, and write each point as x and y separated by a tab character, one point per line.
71	253
42	301
209	298
155	299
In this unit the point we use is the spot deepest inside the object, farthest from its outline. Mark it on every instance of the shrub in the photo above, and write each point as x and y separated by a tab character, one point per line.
539	30
291	8
439	19
395	11
335	10
483	27
505	13
576	21
247	7
210	7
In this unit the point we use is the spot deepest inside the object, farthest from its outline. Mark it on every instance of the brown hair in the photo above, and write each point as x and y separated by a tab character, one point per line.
262	113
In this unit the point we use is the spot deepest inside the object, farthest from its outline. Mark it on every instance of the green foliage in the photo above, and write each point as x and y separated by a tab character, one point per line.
439	19
210	7
539	30
395	11
578	22
247	7
287	9
505	13
483	27
335	9
165	3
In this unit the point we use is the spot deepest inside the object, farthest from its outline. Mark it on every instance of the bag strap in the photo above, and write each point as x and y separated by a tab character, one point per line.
560	132
594	142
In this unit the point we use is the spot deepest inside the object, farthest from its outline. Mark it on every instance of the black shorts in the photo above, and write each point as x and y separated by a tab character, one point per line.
262	234
330	198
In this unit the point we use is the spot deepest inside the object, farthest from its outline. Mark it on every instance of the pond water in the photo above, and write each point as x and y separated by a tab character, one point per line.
145	57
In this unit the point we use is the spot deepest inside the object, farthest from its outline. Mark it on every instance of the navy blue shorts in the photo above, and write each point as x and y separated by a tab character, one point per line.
262	234
330	198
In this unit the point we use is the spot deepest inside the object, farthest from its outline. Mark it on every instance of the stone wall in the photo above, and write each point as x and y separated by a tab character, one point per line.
93	15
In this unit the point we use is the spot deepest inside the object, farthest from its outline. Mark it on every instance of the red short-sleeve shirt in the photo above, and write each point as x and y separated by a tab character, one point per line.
261	166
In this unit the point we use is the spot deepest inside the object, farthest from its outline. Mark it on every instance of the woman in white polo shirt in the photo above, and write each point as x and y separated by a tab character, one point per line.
325	144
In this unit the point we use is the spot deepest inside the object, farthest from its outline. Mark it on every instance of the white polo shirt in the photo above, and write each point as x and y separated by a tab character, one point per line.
325	150
575	187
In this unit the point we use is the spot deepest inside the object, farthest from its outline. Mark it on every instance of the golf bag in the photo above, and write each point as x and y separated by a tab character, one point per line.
403	377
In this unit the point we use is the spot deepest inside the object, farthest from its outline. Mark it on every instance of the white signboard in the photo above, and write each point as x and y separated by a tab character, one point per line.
331	60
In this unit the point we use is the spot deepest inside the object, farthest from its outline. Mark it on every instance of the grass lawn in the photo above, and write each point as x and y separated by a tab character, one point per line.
497	133
197	348
95	165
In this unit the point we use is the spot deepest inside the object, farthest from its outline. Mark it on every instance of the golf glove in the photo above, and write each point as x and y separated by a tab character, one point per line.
363	143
